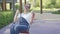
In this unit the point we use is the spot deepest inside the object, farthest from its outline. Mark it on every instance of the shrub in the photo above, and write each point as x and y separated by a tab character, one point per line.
6	17
56	12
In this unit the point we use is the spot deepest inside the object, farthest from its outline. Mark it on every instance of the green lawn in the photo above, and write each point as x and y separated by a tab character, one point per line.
6	17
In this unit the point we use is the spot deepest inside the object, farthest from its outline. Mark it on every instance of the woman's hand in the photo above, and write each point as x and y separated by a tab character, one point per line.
15	17
32	18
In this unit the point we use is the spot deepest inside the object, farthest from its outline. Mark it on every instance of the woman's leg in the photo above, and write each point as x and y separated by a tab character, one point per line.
23	29
12	31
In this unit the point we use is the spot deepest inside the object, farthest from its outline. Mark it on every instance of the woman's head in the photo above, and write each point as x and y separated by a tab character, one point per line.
27	7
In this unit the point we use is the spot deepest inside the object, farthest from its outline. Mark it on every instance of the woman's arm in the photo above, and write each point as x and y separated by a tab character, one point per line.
15	17
32	18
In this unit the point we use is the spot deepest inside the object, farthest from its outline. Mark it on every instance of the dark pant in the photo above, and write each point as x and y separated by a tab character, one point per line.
19	28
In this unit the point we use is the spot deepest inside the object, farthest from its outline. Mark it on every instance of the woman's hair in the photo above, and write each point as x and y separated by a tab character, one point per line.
27	6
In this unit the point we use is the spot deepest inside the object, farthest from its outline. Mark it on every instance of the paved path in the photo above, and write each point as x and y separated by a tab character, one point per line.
45	24
40	27
47	16
46	27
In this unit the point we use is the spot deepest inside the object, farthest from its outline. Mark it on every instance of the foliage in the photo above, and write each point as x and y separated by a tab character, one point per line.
57	6
56	12
46	4
53	2
37	3
6	17
17	6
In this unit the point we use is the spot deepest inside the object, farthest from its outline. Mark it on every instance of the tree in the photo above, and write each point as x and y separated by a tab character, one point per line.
41	6
20	6
4	4
33	3
53	2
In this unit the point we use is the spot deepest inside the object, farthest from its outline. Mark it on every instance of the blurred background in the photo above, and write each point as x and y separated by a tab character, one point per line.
8	8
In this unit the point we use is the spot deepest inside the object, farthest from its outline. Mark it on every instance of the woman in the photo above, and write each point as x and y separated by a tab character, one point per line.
25	19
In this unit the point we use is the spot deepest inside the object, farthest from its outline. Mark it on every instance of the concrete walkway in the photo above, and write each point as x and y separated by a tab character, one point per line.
46	27
39	27
44	24
47	16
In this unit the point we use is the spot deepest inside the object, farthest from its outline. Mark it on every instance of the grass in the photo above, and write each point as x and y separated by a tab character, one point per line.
6	17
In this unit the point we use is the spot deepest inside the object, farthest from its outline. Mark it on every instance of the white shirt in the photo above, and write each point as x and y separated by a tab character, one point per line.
26	16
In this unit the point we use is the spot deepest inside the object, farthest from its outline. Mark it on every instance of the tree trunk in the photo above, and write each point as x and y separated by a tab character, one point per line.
41	6
25	1
4	4
20	6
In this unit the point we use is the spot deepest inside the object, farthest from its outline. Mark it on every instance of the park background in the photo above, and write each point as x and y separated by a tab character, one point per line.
7	13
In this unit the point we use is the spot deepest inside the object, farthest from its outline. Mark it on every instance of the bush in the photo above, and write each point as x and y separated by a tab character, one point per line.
56	12
17	6
49	6
6	17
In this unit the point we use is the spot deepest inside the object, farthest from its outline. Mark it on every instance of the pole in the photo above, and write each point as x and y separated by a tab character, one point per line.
13	7
25	1
20	6
41	6
4	4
